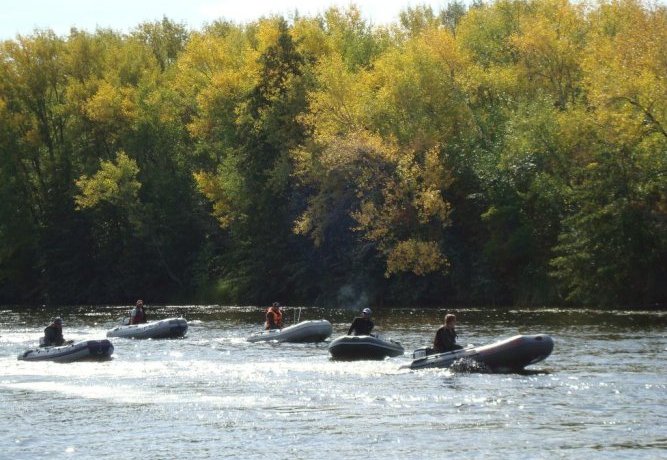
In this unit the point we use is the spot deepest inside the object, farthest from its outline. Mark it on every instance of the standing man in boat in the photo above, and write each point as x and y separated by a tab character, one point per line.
53	334
274	317
138	315
445	337
362	325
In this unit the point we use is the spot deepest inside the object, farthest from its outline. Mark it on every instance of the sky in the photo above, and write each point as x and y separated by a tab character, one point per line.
24	16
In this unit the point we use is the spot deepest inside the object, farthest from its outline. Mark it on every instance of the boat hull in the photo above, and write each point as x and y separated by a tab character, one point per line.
363	347
509	355
169	328
88	350
303	332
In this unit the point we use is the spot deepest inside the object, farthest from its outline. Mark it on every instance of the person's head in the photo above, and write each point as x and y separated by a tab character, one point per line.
450	320
140	303
276	306
58	321
366	312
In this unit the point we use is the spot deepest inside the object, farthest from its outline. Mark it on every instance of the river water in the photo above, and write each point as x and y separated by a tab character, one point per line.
601	394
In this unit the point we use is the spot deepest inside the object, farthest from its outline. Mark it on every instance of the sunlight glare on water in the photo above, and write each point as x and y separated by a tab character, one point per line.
212	394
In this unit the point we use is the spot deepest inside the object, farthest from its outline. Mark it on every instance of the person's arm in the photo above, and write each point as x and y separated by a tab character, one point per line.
353	326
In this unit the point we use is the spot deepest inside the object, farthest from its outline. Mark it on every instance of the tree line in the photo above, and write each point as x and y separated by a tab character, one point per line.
503	153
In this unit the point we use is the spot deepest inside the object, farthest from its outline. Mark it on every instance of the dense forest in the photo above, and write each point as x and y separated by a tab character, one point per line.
503	153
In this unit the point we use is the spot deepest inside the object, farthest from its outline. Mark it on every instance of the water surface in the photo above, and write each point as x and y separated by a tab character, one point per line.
602	393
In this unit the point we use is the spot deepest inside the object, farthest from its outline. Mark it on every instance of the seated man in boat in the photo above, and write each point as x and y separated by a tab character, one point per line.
53	334
138	315
445	337
362	325
274	317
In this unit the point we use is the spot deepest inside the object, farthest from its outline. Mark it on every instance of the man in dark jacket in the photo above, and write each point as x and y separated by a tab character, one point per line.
53	334
362	325
445	337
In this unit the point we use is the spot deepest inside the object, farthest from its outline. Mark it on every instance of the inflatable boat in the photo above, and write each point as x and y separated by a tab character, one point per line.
508	355
363	347
305	331
88	350
164	329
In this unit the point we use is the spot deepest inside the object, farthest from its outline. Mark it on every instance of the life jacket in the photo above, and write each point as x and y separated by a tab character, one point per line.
137	316
277	318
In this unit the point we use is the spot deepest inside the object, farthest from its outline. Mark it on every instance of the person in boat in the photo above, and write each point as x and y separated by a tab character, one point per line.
362	325
138	314
53	334
445	337
274	317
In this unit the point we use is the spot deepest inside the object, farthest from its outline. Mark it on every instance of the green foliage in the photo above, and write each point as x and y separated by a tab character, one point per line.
352	38
612	249
115	183
511	152
166	39
417	19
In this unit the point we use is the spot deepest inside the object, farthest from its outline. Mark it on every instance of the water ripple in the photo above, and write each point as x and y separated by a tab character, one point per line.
215	395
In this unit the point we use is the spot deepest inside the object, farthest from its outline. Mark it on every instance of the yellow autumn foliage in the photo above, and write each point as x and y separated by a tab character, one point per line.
115	183
418	257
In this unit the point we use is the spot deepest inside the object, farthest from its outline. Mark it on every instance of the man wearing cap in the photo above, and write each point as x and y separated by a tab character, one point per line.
53	334
362	325
274	317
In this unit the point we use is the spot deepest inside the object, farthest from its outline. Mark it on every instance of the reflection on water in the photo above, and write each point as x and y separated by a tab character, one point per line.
214	395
